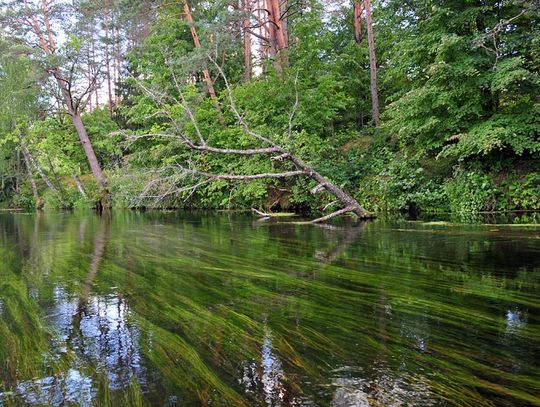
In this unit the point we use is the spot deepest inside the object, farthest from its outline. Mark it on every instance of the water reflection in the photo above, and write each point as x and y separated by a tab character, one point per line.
265	376
179	310
71	387
91	332
100	335
515	321
346	237
349	393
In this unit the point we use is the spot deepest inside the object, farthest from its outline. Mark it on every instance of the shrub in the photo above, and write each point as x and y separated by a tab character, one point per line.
525	193
471	191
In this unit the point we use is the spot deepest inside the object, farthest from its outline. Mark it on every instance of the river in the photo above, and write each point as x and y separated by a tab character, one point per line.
180	309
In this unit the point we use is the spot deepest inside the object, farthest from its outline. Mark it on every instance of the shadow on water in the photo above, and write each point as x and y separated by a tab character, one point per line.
179	309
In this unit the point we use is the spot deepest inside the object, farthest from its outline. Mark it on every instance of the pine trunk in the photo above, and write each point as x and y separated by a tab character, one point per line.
373	65
118	60
277	35
108	57
247	41
358	11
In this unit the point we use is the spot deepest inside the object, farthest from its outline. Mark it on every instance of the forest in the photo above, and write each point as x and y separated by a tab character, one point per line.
320	107
172	173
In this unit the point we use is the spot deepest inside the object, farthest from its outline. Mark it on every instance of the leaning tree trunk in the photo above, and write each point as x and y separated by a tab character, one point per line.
350	205
42	29
76	118
32	180
33	163
89	150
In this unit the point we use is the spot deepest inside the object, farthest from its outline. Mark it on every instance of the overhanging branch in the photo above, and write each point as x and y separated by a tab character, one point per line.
232	177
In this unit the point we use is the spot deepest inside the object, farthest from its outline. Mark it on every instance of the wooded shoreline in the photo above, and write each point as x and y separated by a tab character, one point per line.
320	107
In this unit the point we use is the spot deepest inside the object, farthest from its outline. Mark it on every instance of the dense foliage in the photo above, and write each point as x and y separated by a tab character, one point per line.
459	84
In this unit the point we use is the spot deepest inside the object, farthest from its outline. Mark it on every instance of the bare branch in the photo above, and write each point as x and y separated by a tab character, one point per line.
190	145
281	157
263	215
252	151
295	106
265	39
333	215
329	205
229	177
186	107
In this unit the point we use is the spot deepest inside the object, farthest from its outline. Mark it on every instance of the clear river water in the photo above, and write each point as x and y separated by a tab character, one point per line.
176	309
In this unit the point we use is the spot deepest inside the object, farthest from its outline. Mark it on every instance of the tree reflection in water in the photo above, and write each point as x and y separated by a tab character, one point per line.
90	330
266	376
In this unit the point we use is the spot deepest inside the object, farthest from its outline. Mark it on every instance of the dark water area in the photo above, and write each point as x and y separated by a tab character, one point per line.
222	310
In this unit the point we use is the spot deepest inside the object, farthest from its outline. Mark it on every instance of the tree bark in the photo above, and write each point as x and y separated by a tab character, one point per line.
79	186
347	200
88	149
247	41
278	37
33	163
283	15
358	11
373	65
108	56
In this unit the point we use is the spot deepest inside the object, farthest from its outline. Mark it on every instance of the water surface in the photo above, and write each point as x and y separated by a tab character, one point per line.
179	309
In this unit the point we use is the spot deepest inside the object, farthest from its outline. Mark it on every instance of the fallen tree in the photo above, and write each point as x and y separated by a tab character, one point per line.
275	152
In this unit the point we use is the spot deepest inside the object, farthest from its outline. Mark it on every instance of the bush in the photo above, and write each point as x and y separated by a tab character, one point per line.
397	182
525	193
471	191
